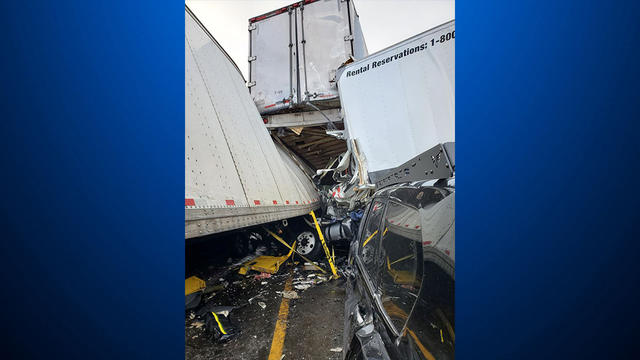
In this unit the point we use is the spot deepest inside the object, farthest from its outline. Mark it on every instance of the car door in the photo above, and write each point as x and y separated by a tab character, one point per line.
400	274
362	285
417	280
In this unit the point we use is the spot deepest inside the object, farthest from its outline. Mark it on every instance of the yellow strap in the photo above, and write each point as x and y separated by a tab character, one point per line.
324	245
369	238
219	324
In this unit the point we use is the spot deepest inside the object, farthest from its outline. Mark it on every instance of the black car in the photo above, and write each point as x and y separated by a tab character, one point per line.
401	275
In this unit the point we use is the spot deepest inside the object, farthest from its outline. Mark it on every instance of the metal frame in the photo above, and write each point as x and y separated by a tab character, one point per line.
435	163
200	222
304	118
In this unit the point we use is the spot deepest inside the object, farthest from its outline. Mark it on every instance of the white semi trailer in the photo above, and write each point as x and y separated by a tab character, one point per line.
235	175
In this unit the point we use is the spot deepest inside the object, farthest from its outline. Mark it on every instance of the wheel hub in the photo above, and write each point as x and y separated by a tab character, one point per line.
306	242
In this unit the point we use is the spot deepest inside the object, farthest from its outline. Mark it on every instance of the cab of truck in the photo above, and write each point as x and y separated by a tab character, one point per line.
401	275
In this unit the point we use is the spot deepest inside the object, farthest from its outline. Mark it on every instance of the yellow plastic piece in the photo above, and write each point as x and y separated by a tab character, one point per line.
193	284
324	246
268	264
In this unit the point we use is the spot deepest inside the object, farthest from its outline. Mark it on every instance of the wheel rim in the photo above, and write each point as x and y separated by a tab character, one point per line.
306	242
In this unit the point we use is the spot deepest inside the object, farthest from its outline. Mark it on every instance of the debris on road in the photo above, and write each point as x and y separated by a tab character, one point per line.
266	263
225	285
337	349
193	289
217	322
290	294
263	275
197	324
218	287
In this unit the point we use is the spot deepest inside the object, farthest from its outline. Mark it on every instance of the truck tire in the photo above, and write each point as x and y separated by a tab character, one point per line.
308	244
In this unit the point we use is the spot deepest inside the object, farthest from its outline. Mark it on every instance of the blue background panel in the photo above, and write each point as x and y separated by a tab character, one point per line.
547	111
93	125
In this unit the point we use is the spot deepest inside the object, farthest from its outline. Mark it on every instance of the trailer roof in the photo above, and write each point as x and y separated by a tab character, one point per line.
280	10
213	39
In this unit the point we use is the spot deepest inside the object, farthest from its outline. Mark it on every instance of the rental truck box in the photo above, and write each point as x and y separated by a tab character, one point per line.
400	102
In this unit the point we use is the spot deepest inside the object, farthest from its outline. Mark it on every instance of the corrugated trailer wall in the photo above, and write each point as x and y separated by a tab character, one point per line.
234	174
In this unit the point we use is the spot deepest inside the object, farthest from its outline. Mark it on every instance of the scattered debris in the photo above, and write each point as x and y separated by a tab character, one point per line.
297	129
290	294
263	275
337	349
197	324
310	267
193	289
217	321
218	287
259	251
259	297
193	284
259	281
220	327
265	263
222	310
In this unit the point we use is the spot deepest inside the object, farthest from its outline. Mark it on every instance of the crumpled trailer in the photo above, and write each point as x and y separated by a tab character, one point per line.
235	175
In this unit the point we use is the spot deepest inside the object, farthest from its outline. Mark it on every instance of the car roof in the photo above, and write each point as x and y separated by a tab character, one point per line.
415	193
